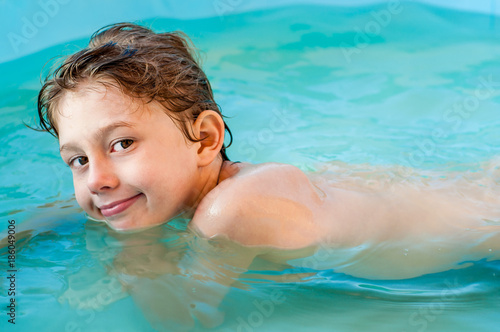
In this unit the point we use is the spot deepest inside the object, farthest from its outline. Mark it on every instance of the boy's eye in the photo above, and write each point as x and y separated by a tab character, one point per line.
122	145
78	161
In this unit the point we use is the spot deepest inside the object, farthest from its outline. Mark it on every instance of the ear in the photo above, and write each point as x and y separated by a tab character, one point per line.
209	127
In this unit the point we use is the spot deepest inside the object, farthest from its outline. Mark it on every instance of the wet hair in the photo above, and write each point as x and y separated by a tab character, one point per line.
151	66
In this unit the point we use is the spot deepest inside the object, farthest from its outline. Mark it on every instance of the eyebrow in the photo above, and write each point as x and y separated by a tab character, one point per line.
99	134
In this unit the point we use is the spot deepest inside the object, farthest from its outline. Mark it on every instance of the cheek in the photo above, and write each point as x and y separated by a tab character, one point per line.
154	178
81	195
166	180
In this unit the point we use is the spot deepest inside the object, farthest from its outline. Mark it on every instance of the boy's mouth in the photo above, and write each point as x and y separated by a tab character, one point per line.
111	209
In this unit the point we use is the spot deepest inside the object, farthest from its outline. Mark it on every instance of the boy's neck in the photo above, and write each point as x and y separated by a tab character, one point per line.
210	176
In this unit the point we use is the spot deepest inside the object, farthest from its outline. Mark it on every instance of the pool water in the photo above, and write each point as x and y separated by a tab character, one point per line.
415	86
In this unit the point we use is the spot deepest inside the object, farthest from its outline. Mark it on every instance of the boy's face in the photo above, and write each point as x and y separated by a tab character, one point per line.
131	164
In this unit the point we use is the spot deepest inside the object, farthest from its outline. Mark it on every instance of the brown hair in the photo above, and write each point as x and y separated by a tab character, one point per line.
147	65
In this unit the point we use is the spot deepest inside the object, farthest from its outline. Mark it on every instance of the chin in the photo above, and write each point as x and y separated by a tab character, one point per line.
121	226
127	226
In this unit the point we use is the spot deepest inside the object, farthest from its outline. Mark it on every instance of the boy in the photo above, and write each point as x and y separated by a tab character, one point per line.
138	125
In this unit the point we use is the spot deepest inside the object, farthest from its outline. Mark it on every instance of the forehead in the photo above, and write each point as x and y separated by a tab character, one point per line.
89	96
89	117
89	109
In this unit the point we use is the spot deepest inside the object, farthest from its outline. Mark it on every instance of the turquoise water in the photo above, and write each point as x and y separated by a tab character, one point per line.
302	85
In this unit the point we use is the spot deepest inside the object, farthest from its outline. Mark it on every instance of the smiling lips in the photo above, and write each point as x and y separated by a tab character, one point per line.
118	206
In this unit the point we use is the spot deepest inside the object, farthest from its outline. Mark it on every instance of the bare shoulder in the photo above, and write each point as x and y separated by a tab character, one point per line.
267	204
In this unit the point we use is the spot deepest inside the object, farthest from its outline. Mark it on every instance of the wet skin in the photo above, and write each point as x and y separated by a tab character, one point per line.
133	168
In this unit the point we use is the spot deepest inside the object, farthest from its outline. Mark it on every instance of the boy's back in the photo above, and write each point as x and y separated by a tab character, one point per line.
278	205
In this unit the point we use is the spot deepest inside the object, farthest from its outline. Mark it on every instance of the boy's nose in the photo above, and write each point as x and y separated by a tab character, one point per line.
101	177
